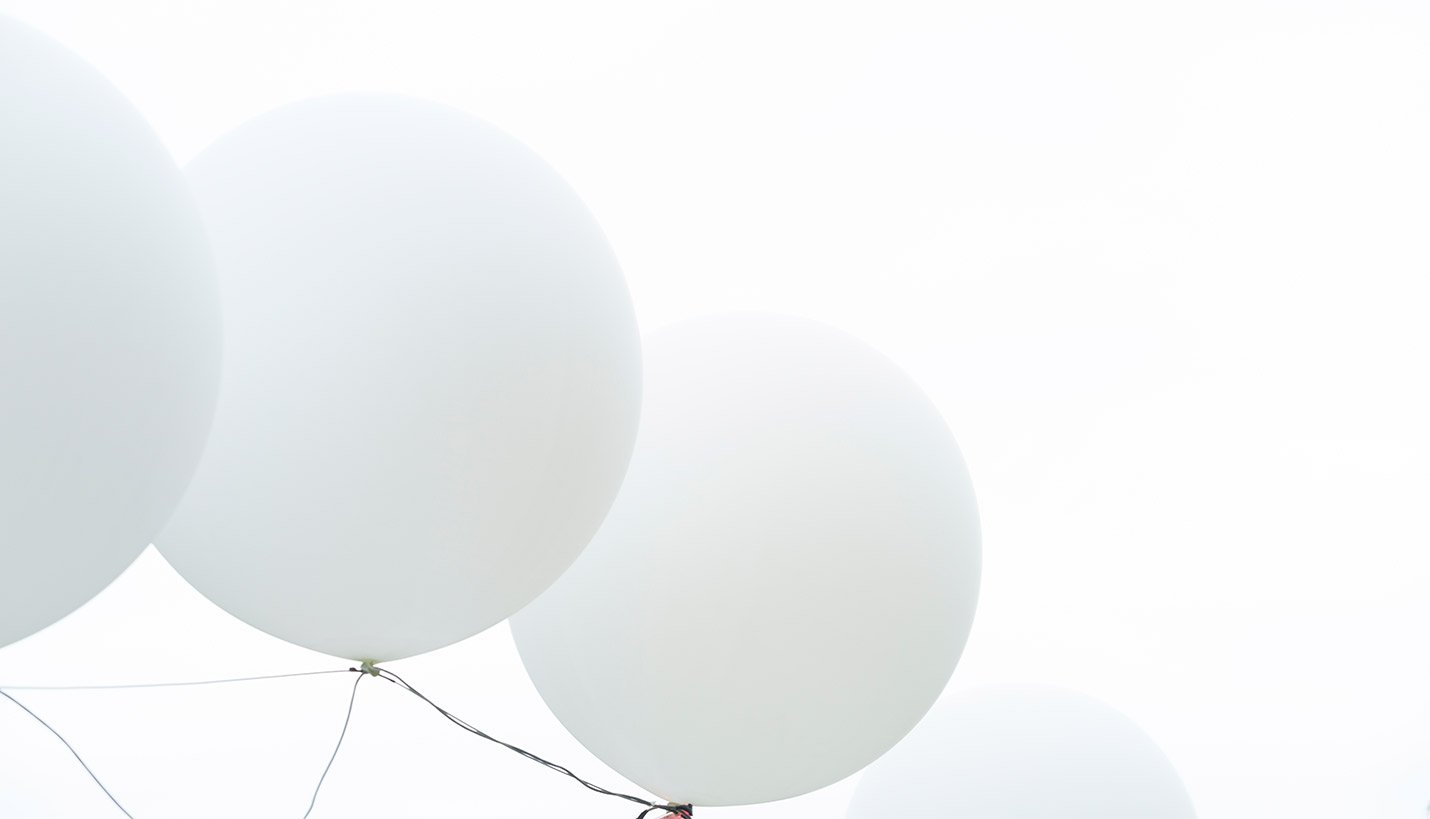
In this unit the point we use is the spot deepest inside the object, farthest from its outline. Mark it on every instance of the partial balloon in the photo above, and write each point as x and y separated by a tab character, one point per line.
1023	752
786	580
432	378
109	333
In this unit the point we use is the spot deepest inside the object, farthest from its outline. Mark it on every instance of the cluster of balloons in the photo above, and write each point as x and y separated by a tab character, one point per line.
368	374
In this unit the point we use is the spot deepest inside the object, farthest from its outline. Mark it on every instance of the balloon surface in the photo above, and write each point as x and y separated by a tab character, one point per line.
109	333
786	580
1023	752
432	378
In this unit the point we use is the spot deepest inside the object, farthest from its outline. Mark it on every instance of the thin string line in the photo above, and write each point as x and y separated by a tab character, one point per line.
673	810
346	720
682	811
167	684
329	766
72	750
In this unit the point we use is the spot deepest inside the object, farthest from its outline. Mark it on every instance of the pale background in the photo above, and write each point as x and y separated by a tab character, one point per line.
1160	264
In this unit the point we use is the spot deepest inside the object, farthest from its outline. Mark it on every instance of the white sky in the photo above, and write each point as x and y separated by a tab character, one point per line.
1160	264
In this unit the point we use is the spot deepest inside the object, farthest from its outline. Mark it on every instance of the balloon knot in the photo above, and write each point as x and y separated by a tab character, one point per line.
369	667
678	811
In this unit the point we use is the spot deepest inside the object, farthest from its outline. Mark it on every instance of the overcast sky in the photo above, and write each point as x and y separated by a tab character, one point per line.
1161	266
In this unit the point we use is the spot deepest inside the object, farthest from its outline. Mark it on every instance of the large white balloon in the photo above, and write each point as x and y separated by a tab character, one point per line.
109	333
1023	752
432	378
786	580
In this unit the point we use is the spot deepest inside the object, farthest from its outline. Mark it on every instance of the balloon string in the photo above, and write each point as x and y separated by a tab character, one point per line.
167	684
683	811
82	763
314	801
346	720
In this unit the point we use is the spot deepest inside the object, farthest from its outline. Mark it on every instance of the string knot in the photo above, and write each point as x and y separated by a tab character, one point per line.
672	809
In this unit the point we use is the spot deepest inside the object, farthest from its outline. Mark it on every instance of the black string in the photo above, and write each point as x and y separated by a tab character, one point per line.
675	810
72	750
329	766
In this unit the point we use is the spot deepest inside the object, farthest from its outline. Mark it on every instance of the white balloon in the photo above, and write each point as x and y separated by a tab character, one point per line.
109	333
1023	752
786	580
432	378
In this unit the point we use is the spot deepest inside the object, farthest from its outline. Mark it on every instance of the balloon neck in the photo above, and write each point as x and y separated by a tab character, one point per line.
369	667
671	810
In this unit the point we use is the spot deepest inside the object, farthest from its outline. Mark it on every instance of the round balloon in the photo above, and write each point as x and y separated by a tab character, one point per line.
432	378
1023	752
786	580
109	333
